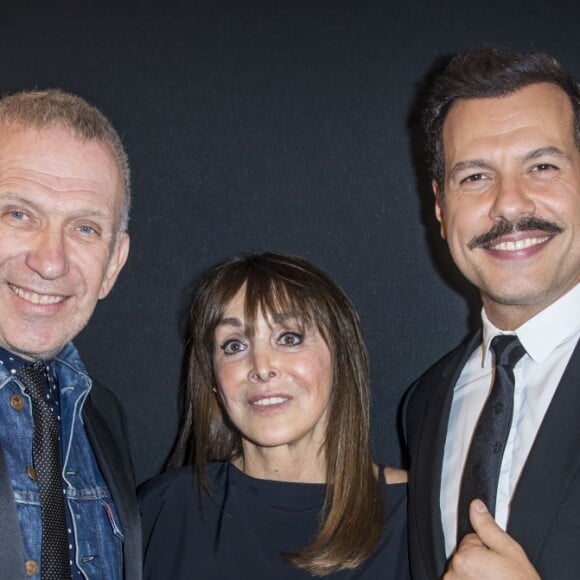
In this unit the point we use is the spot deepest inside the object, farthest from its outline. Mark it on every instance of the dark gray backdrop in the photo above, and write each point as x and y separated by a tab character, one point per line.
257	126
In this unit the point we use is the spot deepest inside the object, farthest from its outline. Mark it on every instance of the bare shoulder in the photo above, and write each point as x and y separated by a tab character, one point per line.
395	475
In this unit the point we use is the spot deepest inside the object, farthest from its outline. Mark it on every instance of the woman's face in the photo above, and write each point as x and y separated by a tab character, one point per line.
275	386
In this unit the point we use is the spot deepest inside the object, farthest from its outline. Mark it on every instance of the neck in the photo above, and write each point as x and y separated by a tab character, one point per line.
282	463
512	316
509	316
509	320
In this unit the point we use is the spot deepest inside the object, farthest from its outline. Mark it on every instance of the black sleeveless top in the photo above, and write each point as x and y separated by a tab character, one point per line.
247	525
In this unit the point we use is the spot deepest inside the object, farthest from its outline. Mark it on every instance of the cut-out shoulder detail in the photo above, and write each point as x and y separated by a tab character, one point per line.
395	475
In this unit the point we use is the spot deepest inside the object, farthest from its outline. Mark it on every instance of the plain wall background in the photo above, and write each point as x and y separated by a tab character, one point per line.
285	126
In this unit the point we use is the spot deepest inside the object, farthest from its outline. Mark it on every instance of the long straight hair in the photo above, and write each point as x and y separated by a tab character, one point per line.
277	285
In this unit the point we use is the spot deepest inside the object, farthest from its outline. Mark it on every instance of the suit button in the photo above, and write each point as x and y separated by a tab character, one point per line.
31	472
31	567
17	402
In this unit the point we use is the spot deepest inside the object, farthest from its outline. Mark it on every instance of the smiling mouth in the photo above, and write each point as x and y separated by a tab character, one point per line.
514	246
267	401
35	298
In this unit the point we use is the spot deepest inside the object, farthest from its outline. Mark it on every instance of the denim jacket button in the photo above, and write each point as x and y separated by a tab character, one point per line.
17	402
31	472
31	567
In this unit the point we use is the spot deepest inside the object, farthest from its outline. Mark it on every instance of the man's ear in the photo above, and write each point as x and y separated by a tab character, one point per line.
439	210
116	263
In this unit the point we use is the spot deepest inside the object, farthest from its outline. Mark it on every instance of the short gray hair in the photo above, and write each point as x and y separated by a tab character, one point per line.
53	107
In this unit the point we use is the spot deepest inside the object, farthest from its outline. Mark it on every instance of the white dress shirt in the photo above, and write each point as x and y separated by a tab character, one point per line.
549	339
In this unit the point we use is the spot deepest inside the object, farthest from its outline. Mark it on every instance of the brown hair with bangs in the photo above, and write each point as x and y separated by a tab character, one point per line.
280	285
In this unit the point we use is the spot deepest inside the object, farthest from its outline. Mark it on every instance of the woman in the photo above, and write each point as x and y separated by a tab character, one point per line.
280	482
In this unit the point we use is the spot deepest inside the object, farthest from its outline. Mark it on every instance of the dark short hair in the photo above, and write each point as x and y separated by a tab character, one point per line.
278	285
483	73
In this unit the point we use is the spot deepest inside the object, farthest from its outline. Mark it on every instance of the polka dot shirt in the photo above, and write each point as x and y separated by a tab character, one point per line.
12	363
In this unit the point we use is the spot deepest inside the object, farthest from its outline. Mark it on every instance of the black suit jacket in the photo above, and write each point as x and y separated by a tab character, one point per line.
107	432
545	509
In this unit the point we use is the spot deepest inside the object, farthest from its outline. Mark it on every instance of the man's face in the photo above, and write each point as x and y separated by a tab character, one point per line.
60	205
511	207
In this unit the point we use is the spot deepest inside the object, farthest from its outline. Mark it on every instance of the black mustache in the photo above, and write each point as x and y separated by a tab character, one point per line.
520	225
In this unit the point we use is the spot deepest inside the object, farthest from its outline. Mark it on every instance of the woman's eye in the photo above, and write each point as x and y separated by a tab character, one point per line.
233	346
290	339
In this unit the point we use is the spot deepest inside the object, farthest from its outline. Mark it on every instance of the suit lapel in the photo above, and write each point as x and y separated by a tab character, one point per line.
554	457
430	461
117	474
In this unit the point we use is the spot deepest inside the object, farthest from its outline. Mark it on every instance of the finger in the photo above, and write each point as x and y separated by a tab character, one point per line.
486	528
470	541
468	559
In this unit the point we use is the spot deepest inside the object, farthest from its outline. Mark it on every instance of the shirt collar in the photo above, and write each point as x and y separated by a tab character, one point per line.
68	357
6	354
10	362
542	333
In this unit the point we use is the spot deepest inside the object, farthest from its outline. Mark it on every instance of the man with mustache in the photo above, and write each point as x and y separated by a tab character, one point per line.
497	419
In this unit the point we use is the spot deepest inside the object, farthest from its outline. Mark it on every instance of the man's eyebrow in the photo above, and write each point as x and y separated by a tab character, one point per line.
15	198
468	164
81	212
530	156
542	151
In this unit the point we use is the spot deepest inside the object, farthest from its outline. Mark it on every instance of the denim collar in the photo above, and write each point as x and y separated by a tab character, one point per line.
67	359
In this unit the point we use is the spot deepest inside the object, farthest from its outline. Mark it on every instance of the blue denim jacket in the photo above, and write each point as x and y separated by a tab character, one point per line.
96	526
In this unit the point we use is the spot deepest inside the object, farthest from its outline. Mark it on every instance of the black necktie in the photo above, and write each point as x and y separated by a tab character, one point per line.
46	452
481	473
